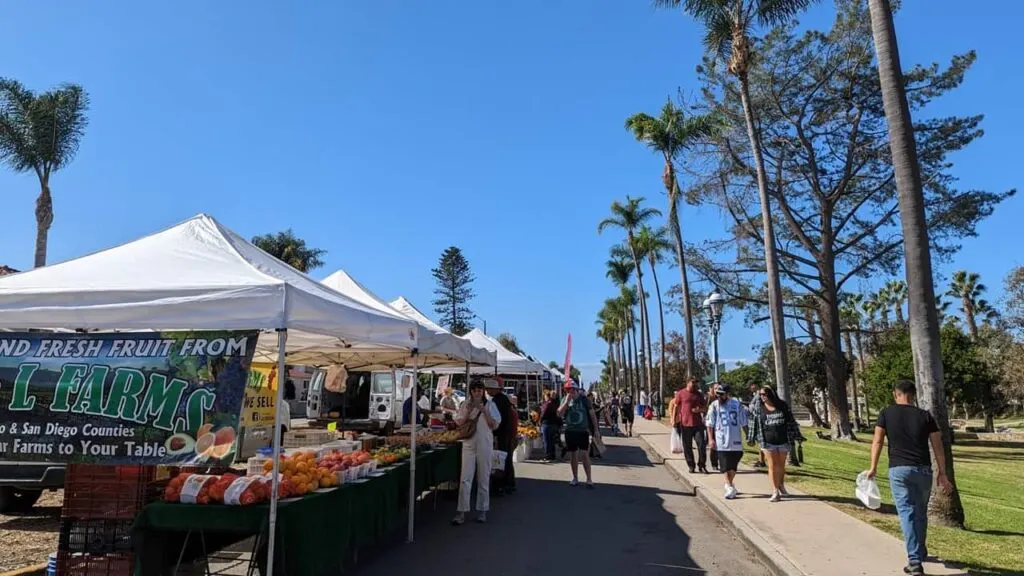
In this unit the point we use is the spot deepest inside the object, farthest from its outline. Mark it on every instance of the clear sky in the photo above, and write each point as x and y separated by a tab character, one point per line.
384	132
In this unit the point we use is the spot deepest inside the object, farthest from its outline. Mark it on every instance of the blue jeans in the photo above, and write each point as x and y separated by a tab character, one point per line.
911	488
550	434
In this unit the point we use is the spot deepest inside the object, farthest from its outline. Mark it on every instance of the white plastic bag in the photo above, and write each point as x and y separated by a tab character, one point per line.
498	459
867	491
675	443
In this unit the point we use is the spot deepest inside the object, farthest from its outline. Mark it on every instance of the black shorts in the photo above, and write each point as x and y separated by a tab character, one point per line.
577	440
628	415
729	460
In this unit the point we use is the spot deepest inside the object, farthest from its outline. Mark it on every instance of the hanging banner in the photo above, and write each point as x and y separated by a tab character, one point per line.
123	398
568	360
260	401
442	384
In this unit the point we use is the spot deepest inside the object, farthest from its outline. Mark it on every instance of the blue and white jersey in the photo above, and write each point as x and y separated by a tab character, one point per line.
728	420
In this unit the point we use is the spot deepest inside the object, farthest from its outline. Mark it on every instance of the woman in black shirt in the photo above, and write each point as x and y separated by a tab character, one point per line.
774	421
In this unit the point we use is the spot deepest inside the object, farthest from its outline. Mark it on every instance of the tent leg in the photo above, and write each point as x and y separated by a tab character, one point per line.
412	458
282	339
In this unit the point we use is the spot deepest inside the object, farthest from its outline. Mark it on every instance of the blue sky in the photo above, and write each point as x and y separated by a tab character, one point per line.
386	131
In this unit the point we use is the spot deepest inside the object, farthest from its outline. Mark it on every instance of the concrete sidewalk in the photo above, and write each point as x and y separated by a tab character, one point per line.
798	536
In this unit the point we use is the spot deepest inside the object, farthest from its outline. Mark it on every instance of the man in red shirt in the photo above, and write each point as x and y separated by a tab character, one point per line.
689	417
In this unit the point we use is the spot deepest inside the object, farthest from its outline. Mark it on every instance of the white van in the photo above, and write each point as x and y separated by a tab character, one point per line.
371	400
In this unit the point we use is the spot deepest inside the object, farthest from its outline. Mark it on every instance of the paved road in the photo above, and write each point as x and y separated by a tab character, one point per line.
636	523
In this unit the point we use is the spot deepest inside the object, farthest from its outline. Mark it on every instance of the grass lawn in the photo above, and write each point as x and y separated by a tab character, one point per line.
990	476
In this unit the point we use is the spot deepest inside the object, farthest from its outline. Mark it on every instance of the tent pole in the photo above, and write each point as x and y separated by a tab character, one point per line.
467	379
412	452
282	340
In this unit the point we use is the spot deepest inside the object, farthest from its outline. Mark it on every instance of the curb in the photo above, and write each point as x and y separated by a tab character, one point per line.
27	570
773	558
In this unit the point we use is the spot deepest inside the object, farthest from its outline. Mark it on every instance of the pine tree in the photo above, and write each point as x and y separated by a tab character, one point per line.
453	291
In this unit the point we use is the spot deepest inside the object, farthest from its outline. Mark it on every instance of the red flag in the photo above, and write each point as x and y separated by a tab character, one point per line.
568	359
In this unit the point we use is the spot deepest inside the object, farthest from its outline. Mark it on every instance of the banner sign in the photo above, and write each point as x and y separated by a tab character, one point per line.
123	398
260	401
566	370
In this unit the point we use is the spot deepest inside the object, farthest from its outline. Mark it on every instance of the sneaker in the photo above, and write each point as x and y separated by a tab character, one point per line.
459	519
482	518
704	470
775	497
914	569
782	491
730	492
574	482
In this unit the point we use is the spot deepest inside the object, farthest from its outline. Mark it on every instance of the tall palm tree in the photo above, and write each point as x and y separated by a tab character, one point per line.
896	291
944	507
671	133
612	317
41	133
653	244
620	271
628	301
880	304
630	217
850	317
727	28
967	288
290	249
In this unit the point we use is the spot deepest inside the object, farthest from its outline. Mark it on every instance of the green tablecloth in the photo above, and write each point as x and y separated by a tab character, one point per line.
315	533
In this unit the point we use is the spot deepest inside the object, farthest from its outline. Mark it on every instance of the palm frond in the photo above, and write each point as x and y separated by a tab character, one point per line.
775	12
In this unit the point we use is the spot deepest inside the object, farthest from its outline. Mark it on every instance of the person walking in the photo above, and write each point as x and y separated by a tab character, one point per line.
689	407
641	409
725	420
909	431
579	417
482	418
505	435
754	408
550	424
774	423
626	409
613	412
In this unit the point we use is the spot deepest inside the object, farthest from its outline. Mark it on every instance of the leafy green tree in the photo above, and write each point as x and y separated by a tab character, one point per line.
1013	300
630	217
290	249
454	291
728	25
508	340
40	132
837	205
574	372
670	134
745	374
807	374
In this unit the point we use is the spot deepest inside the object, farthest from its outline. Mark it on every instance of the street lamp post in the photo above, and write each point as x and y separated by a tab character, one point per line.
713	306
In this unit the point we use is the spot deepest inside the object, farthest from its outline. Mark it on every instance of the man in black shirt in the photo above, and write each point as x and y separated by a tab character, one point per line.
909	430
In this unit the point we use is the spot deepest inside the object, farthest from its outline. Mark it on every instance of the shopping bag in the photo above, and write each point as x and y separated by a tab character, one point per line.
675	443
867	491
498	460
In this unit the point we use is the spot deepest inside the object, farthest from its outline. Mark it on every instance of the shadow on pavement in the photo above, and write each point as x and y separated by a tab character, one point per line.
549	528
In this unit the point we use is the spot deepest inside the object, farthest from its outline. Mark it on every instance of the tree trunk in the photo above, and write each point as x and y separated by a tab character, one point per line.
854	373
770	256
899	313
614	376
677	236
972	323
813	411
944	508
645	327
661	326
623	362
44	219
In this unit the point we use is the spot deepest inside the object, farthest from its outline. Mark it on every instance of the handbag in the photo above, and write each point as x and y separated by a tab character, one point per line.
467	429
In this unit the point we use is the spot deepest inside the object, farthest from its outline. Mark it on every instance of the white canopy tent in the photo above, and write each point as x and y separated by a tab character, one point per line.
477	354
197	275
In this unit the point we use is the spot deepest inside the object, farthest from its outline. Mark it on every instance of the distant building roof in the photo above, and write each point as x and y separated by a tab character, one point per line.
5	270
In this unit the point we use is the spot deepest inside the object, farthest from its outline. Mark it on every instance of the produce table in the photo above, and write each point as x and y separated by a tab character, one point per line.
315	533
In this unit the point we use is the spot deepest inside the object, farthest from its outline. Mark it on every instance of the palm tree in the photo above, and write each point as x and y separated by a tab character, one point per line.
880	304
630	217
896	291
966	288
290	249
944	507
653	244
628	301
727	29
671	133
850	317
620	270
41	133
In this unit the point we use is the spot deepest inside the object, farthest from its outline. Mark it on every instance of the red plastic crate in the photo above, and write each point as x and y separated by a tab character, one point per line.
108	492
95	565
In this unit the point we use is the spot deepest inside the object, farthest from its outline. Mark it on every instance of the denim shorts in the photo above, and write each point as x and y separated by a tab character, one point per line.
775	447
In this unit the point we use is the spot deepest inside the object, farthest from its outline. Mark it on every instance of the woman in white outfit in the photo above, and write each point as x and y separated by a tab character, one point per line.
476	452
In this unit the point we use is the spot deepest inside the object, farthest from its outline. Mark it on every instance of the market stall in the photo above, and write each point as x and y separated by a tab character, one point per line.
196	276
509	364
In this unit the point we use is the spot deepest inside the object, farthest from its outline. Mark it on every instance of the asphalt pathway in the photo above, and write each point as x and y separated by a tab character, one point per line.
637	522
